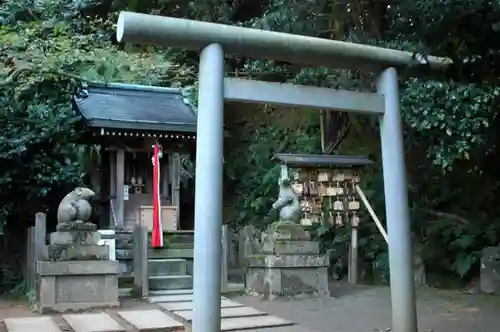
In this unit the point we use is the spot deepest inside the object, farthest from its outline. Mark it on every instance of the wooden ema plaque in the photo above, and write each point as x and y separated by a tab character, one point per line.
327	195
168	217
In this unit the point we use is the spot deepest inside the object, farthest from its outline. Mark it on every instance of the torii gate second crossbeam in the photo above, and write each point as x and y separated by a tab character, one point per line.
216	40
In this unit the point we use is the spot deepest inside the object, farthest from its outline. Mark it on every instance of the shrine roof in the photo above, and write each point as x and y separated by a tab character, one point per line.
321	160
135	107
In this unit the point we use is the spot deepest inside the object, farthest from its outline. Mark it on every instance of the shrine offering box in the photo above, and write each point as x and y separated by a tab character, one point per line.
168	217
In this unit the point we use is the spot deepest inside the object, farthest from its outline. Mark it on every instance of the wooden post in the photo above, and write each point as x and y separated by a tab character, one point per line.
232	252
141	260
40	234
246	244
105	221
372	214
165	178
112	188
353	257
322	129
120	181
241	248
30	259
224	265
176	177
40	241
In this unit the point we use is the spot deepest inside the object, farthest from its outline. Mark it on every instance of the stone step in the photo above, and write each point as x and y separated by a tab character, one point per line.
124	292
162	292
175	237
25	324
173	245
98	322
167	267
176	307
170	253
181	245
151	320
179	240
124	254
233	319
171	298
124	243
170	282
174	251
226	313
140	321
180	237
245	323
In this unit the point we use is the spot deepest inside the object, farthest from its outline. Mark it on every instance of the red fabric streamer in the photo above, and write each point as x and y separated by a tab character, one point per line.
157	240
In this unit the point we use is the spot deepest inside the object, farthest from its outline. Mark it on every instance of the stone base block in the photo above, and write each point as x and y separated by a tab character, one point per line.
285	231
272	276
75	237
288	261
490	270
77	285
76	225
75	252
290	247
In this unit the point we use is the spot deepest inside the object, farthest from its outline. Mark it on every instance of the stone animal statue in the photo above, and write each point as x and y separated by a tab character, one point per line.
288	203
75	206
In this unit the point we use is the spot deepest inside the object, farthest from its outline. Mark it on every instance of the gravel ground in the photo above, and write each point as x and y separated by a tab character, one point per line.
368	309
351	309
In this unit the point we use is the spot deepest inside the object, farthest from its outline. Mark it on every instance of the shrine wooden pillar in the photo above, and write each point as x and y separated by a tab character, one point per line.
105	221
165	179
175	178
112	188
120	181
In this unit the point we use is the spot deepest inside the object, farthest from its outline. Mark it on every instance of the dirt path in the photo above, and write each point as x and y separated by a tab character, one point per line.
368	309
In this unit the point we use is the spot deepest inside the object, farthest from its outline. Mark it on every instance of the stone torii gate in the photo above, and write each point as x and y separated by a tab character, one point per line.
216	40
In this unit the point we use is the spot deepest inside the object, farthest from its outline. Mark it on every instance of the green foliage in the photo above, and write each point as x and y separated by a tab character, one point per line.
254	175
48	52
454	117
452	129
49	48
452	246
32	299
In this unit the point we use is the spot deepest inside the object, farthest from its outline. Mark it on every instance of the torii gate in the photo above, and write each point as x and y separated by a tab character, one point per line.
214	40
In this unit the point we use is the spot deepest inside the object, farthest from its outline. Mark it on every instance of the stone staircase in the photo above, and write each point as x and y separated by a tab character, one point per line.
172	268
168	269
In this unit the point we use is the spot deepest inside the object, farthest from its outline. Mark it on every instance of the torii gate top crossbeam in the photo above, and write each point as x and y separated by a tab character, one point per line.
262	44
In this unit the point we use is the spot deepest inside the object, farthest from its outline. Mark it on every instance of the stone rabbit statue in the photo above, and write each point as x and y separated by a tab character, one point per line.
288	203
75	206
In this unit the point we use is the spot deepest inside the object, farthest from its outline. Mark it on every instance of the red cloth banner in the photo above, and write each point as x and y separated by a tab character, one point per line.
157	240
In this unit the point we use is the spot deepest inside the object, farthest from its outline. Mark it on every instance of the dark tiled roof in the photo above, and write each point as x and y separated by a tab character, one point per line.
134	107
320	160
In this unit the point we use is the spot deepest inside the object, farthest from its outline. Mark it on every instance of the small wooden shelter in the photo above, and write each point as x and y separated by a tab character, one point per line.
126	121
326	185
327	188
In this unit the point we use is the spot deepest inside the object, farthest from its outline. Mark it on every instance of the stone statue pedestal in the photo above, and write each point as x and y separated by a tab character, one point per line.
490	271
76	273
289	265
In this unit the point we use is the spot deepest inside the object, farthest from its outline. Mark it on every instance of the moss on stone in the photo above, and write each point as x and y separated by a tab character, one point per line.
76	226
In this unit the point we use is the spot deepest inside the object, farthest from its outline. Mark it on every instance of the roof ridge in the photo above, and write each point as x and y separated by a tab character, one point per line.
135	107
135	87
